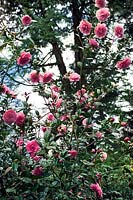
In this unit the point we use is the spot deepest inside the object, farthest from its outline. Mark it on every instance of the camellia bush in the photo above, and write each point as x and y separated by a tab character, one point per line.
79	145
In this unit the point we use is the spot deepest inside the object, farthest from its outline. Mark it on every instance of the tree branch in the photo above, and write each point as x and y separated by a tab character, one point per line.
59	59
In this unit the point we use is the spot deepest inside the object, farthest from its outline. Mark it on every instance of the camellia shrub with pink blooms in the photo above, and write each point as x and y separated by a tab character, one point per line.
77	142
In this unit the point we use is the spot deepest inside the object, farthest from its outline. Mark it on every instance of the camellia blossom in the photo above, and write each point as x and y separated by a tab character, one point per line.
62	129
59	103
82	95
54	95
64	117
44	128
34	76
103	156
4	89
55	88
24	58
97	189
32	147
50	117
10	116
19	142
37	171
36	158
47	77
85	123
119	31
100	3
124	124
100	30
99	135
81	92
26	20
126	139
102	14
20	118
85	27
74	77
112	119
73	153
123	64
12	93
93	43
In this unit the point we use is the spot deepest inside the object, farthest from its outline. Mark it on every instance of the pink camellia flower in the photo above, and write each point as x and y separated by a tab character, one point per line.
112	119
82	95
36	158
24	58
85	123
124	124
40	78
20	118
34	76
102	14
64	117
126	139
85	27
93	150
81	92
37	171
100	3
12	93
55	88
19	142
54	95
10	116
103	156
26	20
93	43
50	117
4	89
62	129
59	103
123	64
82	99
44	129
74	77
100	30
32	147
99	135
97	189
47	77
119	31
73	153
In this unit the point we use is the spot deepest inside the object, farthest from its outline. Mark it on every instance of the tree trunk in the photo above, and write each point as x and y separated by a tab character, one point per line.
77	10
